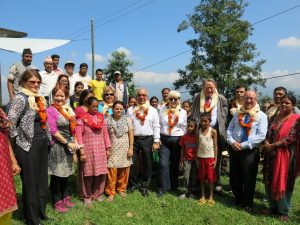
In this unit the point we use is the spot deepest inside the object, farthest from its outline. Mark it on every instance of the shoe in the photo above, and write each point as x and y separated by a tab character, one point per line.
202	201
122	194
144	193
211	202
101	198
131	189
284	218
249	209
60	207
183	196
218	190
160	194
67	202
110	198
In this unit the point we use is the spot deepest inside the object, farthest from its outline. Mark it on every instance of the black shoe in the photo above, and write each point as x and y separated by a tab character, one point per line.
249	209
160	194
131	189
144	193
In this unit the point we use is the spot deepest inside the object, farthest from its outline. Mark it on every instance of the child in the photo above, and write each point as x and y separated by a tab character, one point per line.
186	105
187	158
132	101
74	99
207	157
98	85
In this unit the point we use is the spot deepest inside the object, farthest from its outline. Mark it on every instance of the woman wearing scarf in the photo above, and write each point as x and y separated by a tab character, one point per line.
173	122
62	123
29	128
93	139
8	168
282	158
119	159
109	98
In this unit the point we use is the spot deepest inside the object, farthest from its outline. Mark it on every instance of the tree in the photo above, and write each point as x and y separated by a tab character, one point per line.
221	50
119	62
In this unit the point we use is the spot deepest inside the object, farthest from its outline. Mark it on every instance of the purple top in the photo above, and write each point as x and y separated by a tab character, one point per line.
52	116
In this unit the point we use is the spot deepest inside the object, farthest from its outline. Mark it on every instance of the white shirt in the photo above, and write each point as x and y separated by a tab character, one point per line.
75	78
179	129
151	125
48	82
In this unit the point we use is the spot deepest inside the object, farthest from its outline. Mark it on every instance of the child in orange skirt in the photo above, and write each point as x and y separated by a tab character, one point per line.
207	157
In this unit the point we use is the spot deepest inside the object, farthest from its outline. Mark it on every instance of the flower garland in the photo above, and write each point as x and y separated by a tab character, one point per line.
142	118
172	124
71	119
41	111
248	125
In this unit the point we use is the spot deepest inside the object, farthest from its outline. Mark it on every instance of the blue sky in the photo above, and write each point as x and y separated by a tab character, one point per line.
148	34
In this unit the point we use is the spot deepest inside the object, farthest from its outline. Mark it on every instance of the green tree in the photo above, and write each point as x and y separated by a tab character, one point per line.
221	49
120	62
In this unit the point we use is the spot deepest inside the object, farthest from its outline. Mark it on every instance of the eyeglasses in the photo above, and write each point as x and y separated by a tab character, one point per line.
109	94
173	99
142	95
33	82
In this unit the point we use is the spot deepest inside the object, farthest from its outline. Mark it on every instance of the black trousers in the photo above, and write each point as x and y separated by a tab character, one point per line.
169	156
59	188
34	175
143	144
243	171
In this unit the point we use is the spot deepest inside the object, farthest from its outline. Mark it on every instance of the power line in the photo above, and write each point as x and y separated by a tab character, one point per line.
285	75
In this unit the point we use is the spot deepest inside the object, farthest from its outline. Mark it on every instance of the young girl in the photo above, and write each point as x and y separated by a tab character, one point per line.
74	99
119	159
207	157
187	158
132	101
93	139
186	105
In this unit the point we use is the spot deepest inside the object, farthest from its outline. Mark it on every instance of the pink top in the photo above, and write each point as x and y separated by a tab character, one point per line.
52	116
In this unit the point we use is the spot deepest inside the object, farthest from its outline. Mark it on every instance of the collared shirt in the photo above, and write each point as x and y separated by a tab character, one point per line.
97	87
257	135
151	126
58	71
75	78
179	129
214	113
48	82
15	73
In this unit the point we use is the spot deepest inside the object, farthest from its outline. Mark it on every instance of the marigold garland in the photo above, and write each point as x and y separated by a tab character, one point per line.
42	112
172	124
142	118
71	119
248	125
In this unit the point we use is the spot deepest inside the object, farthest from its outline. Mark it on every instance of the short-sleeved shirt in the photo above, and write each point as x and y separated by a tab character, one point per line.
188	143
15	73
97	87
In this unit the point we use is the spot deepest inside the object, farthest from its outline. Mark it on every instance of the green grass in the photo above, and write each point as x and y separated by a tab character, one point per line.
135	209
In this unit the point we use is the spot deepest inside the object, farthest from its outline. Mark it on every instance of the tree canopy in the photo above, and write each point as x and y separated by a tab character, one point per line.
221	49
120	62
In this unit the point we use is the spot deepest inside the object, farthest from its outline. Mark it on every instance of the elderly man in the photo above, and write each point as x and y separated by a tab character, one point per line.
209	100
146	130
49	79
16	71
121	88
247	129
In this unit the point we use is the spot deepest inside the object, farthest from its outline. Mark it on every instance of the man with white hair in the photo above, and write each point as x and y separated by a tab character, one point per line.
247	129
146	129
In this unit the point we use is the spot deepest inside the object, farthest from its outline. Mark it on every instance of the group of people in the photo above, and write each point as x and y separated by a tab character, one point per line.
57	119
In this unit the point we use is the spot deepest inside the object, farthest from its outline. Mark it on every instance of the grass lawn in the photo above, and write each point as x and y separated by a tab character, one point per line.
135	209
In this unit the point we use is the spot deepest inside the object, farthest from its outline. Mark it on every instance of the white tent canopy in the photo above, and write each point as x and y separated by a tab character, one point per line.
36	45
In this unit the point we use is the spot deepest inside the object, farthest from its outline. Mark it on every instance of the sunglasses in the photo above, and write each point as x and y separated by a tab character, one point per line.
32	82
109	94
173	99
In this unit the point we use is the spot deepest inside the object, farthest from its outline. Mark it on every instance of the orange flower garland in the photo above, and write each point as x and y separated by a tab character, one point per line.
71	119
246	125
142	118
42	112
172	124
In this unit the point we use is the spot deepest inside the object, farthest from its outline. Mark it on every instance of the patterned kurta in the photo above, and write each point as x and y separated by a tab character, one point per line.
95	142
120	145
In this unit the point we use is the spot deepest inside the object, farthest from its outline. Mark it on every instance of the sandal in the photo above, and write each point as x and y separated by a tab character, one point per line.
211	202
100	198
122	194
202	201
110	198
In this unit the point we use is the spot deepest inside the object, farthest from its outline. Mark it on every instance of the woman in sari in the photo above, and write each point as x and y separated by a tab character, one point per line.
93	139
109	98
282	158
8	168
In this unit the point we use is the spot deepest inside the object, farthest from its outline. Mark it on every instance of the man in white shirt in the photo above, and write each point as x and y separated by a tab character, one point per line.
49	79
146	130
121	88
81	76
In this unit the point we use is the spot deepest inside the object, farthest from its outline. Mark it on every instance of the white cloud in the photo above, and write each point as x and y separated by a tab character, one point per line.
125	50
74	54
98	58
142	78
291	42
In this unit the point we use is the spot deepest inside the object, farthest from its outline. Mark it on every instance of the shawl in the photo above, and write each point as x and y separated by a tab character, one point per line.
253	112
235	106
5	123
172	110
105	107
67	112
94	121
282	160
31	98
273	110
143	106
118	126
213	103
